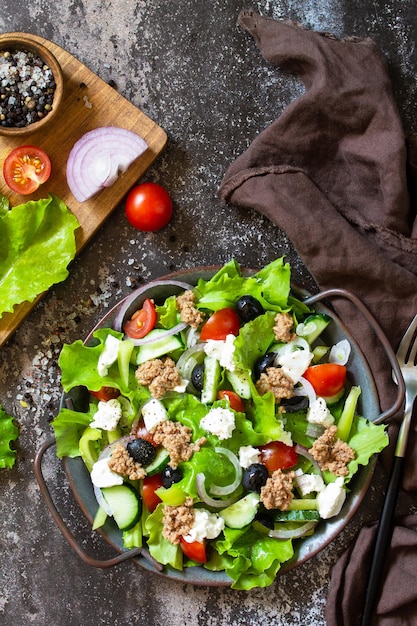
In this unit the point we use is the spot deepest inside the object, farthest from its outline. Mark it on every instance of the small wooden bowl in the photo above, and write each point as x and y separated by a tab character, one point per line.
22	41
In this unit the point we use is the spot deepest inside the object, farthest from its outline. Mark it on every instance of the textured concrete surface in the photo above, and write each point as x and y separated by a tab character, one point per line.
188	66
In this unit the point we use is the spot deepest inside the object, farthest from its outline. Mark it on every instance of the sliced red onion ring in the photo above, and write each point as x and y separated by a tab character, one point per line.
97	158
214	503
101	501
302	451
188	360
218	490
306	389
293	533
141	291
160	337
340	352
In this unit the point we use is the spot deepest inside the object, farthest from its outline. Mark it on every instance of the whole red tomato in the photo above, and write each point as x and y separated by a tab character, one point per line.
148	207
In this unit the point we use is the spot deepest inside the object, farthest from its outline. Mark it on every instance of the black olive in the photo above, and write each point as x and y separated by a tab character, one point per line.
265	361
265	518
254	477
141	451
197	377
170	475
297	403
248	307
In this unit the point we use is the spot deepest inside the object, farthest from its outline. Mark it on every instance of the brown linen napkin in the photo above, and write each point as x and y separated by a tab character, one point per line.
397	606
331	172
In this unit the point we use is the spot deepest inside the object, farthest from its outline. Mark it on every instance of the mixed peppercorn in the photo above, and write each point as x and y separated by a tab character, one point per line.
27	88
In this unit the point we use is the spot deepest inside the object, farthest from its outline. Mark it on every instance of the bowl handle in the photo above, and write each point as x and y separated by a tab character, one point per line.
343	293
64	528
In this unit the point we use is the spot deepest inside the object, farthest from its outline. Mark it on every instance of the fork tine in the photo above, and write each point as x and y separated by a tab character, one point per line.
413	351
406	341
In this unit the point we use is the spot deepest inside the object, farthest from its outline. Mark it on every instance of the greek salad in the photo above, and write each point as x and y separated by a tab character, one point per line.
221	427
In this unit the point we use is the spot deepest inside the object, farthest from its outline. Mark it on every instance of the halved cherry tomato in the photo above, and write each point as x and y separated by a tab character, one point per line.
142	321
195	550
277	455
327	379
106	393
235	401
222	323
142	433
148	207
149	485
26	168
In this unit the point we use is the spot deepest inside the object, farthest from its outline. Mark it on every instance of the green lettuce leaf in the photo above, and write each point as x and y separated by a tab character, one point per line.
36	244
8	433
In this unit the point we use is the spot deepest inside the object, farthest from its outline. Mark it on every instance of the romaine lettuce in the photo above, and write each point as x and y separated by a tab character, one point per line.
36	245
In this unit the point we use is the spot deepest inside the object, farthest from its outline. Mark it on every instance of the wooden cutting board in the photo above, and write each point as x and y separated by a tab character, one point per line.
88	103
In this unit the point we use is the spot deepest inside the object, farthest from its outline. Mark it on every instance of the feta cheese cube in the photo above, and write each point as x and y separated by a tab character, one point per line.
153	413
309	483
108	415
219	422
319	413
247	456
103	476
223	351
331	498
206	525
109	355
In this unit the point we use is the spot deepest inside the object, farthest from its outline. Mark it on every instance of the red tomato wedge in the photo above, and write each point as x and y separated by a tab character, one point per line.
327	379
222	323
277	455
106	393
26	168
142	321
149	485
235	401
195	550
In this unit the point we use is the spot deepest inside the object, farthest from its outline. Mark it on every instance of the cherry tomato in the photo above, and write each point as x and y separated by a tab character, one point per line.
222	323
235	401
142	321
327	379
277	455
195	550
143	433
148	207
106	393
26	168
149	485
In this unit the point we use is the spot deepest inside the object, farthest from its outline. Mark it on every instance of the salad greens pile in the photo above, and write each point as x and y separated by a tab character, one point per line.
36	245
246	550
8	434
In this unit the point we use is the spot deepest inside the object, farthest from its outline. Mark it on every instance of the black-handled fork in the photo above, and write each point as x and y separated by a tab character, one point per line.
407	360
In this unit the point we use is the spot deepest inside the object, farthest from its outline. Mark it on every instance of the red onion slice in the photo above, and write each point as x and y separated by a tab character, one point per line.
101	501
214	503
293	533
97	158
142	291
302	451
218	490
306	389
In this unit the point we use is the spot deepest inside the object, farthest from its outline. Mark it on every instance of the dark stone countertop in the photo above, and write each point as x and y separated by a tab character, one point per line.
190	68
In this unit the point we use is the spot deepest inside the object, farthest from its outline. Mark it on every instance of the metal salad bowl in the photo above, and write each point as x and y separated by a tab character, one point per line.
304	548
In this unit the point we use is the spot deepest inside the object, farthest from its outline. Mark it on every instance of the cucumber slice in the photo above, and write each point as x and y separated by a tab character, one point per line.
158	347
240	381
242	512
314	326
124	503
160	461
211	379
